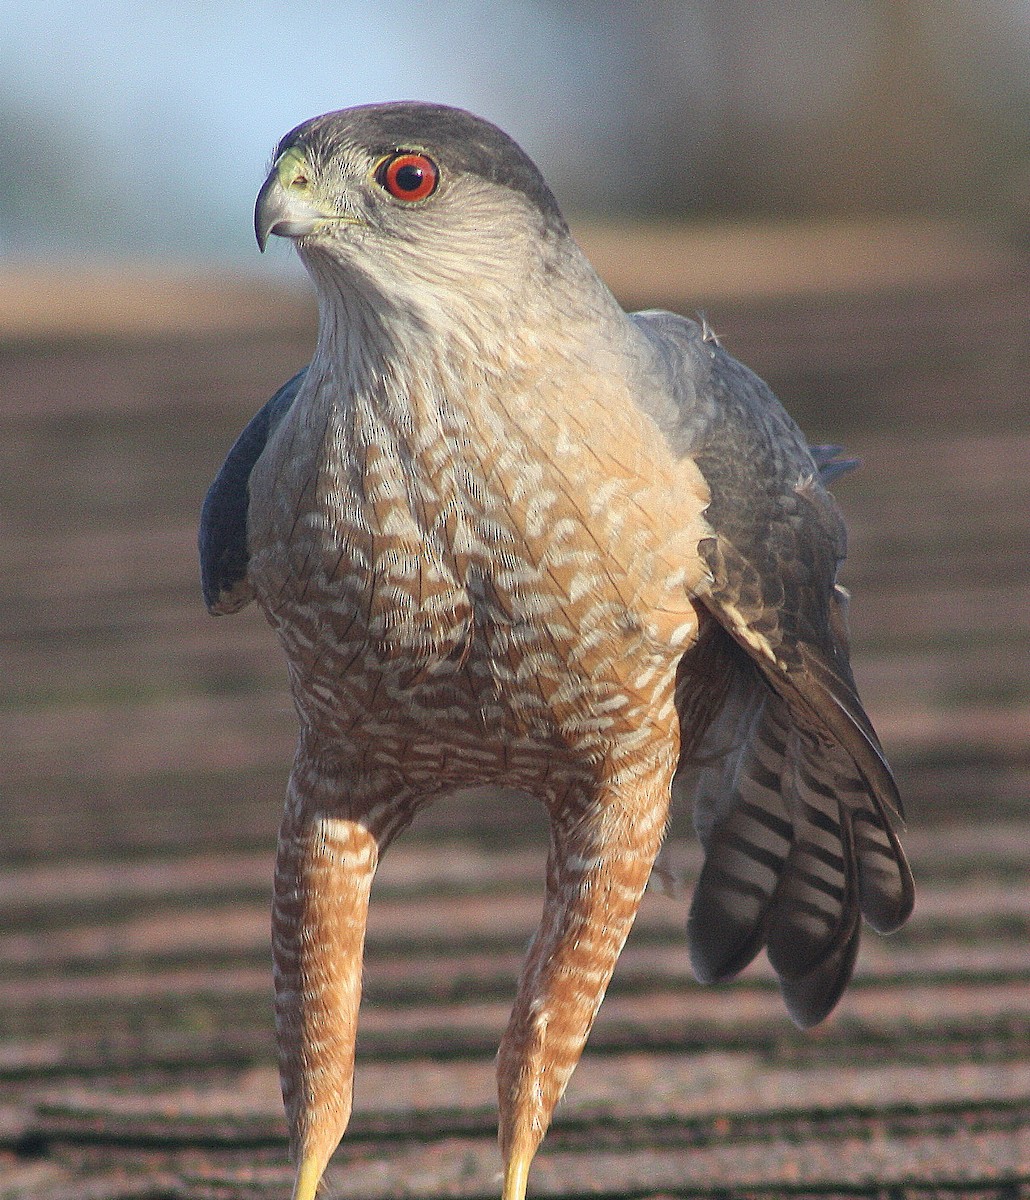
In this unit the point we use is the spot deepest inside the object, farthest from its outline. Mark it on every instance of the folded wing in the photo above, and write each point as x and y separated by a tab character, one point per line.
794	801
222	541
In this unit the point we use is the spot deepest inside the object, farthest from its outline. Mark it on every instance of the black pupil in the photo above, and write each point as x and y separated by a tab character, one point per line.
409	177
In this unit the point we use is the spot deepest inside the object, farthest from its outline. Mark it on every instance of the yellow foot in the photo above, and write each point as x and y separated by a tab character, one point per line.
309	1175
516	1176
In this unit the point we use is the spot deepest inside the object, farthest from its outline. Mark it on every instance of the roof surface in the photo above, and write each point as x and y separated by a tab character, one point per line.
144	749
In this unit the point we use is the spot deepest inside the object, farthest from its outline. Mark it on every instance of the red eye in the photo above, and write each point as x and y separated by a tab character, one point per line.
409	176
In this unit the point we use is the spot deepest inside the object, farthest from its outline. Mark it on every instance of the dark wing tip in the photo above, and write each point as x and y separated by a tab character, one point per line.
830	463
223	542
222	538
223	601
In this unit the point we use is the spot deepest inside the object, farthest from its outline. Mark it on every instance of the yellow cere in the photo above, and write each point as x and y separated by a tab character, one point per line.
292	169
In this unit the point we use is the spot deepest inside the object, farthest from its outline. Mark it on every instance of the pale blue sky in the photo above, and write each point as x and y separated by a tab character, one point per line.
179	105
145	128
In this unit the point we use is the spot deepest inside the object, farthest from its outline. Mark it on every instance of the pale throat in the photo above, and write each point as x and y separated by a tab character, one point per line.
442	365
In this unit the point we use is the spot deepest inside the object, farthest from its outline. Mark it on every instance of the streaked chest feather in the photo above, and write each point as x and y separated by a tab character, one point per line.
508	544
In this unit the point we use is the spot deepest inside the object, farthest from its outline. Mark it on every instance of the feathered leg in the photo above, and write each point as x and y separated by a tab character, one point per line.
324	870
597	870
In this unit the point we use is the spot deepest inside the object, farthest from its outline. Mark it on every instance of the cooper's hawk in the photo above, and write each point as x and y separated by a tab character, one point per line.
509	534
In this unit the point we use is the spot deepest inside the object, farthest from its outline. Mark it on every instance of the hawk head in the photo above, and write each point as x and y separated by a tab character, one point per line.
408	196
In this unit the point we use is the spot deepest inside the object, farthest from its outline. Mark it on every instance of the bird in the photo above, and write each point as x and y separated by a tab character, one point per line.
509	534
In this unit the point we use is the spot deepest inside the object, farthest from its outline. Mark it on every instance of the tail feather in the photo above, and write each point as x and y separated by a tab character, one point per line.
816	905
885	888
747	834
811	997
798	845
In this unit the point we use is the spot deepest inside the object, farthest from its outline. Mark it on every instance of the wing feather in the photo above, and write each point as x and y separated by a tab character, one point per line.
794	801
222	542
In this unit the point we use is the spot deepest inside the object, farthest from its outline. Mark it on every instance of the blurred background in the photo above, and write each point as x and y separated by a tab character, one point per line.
133	129
844	189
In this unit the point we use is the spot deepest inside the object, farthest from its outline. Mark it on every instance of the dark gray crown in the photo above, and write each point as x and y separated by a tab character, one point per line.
458	140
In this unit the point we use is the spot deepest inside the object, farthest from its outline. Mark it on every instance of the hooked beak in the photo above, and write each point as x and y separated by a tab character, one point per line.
284	214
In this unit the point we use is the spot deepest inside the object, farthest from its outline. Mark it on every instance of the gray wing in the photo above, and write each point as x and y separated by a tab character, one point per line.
794	801
831	465
222	541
